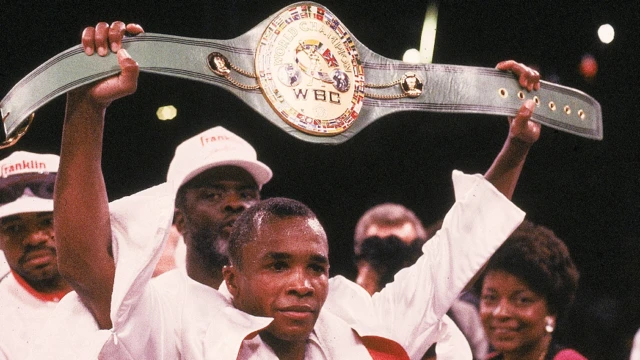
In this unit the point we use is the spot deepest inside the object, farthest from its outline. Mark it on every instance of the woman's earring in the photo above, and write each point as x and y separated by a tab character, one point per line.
549	326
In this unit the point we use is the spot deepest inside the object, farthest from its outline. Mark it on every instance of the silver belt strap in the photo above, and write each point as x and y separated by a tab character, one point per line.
308	41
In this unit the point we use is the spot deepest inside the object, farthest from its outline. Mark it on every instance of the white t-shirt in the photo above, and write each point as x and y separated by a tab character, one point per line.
22	314
195	322
635	348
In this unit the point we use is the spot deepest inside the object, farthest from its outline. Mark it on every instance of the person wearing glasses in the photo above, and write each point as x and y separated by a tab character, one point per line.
32	288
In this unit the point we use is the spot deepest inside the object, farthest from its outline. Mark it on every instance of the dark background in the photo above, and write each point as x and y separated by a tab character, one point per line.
585	190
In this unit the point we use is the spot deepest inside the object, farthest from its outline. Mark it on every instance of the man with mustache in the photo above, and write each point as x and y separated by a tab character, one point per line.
217	176
33	286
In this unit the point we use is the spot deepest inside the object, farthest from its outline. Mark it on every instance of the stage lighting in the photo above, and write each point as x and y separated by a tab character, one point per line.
167	112
606	33
411	56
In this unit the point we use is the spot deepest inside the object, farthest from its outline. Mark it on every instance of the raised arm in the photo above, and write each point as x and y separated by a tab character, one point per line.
81	215
478	222
523	132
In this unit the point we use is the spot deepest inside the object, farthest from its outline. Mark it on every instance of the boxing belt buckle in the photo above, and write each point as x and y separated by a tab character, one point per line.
309	76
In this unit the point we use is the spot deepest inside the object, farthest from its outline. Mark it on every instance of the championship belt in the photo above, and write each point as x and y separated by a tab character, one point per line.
303	71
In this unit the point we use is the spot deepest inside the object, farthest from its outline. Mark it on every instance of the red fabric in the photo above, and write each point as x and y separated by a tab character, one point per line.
384	349
50	297
569	354
566	354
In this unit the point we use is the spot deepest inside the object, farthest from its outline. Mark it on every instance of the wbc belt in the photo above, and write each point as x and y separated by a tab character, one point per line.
303	71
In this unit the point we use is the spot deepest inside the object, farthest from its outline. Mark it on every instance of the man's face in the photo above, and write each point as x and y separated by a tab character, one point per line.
411	82
284	275
29	246
220	63
367	276
213	201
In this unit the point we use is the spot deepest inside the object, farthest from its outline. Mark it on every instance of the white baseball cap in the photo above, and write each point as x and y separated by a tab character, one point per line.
211	148
21	168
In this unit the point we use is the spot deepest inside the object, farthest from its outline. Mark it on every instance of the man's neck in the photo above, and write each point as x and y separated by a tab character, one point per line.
285	350
201	271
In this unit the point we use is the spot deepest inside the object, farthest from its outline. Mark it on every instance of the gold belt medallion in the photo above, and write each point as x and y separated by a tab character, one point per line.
309	70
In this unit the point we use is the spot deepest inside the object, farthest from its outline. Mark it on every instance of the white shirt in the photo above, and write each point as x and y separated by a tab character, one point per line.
635	348
21	317
452	343
197	322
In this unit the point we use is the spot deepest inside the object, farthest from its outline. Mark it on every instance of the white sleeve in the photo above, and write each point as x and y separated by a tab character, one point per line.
70	332
480	220
635	348
451	342
141	316
143	319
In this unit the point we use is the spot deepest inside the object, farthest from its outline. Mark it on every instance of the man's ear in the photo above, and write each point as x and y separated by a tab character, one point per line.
179	220
229	273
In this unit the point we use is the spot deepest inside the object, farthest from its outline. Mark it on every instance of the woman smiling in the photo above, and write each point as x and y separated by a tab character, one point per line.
526	288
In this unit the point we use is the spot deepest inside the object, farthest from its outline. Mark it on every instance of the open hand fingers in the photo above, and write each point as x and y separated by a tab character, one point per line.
527	77
134	29
116	33
88	34
103	37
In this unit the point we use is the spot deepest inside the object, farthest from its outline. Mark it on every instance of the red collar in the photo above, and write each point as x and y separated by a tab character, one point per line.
48	297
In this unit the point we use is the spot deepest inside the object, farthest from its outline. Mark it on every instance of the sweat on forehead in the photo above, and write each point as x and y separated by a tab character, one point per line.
252	219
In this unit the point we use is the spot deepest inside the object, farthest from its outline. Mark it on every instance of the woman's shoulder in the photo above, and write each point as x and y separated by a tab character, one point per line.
569	354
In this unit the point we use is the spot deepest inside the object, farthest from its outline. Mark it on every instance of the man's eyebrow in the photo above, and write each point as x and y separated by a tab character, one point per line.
278	256
44	214
207	186
224	186
17	217
319	259
9	218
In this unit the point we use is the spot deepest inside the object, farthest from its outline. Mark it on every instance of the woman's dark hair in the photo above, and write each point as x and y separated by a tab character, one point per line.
534	254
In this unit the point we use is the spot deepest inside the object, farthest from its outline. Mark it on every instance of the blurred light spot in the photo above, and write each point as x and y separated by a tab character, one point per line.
606	33
167	112
411	56
588	67
428	37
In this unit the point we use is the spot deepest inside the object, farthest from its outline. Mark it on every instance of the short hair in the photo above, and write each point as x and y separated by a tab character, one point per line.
534	254
244	229
386	214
